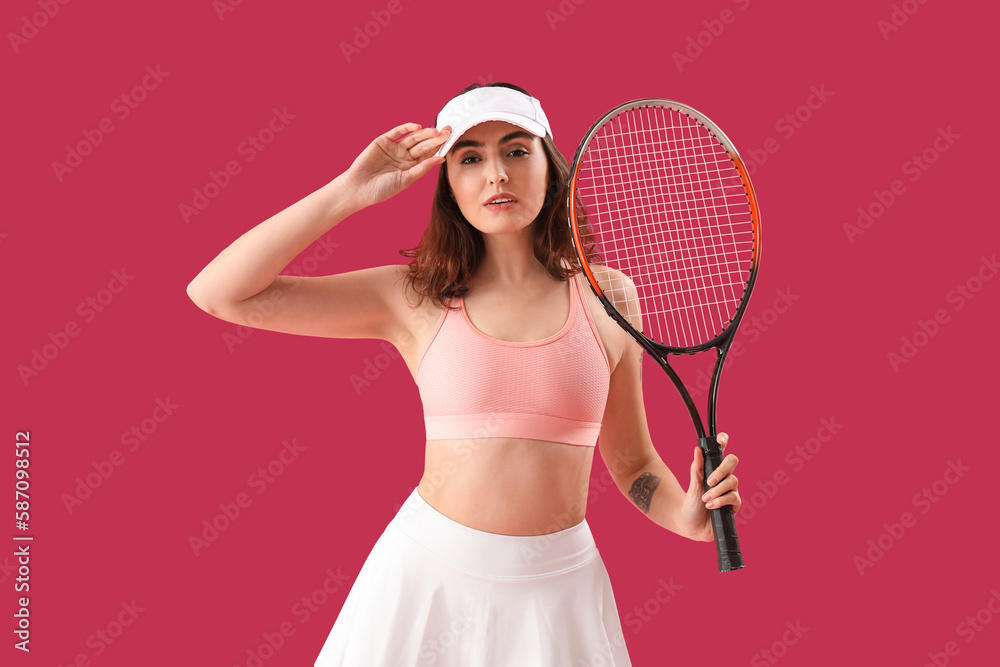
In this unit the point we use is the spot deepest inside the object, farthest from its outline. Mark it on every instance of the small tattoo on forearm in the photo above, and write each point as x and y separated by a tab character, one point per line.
642	489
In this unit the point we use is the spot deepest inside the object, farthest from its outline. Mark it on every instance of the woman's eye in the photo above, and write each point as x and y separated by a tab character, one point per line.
517	152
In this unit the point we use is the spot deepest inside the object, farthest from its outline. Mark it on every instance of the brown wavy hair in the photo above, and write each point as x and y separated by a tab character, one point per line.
451	249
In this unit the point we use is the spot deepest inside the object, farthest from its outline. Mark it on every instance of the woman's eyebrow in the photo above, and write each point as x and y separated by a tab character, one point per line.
517	134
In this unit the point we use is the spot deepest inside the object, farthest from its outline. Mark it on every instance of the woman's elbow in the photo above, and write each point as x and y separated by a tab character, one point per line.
199	298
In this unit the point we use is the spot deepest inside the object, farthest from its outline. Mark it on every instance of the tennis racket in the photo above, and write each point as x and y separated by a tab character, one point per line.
665	224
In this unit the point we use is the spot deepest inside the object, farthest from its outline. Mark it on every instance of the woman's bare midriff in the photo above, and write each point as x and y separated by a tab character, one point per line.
508	486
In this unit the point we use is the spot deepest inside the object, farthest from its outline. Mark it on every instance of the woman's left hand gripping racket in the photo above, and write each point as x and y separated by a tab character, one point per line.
666	226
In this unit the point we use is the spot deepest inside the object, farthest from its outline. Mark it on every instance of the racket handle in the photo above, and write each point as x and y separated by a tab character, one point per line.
723	522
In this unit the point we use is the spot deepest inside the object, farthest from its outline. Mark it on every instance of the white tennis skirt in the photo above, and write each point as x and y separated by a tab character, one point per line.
437	592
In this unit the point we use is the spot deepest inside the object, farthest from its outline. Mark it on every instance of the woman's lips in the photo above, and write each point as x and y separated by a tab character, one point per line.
506	206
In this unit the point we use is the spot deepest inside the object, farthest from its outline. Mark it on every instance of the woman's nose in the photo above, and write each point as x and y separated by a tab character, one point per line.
496	172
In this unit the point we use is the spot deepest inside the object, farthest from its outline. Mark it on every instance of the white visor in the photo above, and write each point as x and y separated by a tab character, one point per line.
491	103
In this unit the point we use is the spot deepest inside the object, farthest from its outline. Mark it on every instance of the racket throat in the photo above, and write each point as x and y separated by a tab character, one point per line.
682	390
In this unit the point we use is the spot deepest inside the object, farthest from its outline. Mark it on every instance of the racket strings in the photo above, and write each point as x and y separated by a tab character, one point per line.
667	210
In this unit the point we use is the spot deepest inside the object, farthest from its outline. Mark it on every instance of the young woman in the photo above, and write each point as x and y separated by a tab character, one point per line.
490	560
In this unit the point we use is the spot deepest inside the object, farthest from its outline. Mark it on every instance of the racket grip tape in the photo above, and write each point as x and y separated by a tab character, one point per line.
723	522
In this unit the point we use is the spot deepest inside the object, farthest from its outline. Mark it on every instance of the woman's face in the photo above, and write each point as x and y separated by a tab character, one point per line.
492	158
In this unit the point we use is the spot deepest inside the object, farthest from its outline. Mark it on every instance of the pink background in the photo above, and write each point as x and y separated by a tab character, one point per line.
831	303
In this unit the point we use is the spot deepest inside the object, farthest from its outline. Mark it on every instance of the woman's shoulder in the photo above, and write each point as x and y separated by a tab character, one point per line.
617	286
402	281
411	307
415	317
619	289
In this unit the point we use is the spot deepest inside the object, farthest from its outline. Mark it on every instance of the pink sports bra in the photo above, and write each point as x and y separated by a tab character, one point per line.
475	386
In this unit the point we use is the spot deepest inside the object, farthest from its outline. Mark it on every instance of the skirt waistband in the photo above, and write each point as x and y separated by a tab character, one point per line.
493	554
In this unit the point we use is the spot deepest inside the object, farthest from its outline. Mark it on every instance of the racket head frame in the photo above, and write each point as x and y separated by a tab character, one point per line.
657	350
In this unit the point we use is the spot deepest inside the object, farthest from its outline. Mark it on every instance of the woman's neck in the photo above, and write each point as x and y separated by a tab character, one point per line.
510	260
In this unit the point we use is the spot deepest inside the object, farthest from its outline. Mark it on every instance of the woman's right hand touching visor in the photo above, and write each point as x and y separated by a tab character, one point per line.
393	162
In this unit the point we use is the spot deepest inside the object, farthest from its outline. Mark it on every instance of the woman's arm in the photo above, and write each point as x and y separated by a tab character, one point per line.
255	259
242	284
628	451
640	473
